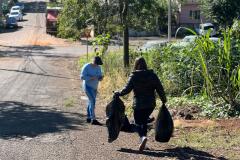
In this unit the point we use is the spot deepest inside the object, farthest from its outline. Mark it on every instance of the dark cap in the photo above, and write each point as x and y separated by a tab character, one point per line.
97	60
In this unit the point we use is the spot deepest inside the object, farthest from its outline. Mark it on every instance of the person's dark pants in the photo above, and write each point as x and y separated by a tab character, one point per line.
141	120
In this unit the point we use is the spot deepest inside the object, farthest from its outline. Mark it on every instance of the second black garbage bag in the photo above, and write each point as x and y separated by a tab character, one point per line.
164	125
115	112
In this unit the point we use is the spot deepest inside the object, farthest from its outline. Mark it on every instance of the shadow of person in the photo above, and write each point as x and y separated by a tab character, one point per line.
181	153
19	120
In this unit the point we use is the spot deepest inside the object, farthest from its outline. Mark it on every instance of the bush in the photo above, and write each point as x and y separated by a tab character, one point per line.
203	68
71	21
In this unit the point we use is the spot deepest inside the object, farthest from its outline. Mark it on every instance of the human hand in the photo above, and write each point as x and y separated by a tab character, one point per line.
116	94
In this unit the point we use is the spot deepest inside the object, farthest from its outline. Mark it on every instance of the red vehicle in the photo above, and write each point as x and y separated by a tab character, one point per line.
51	19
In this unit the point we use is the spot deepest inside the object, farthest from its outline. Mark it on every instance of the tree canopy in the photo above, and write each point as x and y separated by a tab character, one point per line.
222	12
145	15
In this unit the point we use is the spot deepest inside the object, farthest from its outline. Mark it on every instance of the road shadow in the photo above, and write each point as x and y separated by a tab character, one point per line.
28	47
24	20
39	74
181	153
18	120
9	30
20	51
31	50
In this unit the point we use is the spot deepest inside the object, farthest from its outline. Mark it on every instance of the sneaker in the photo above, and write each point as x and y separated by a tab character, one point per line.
89	120
95	122
143	143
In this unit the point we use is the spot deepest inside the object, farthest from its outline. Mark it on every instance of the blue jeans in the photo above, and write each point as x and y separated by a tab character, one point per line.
91	94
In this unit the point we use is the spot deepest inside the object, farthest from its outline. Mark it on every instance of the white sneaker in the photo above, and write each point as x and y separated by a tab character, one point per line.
143	143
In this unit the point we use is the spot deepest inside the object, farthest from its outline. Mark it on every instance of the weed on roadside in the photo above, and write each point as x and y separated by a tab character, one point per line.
69	102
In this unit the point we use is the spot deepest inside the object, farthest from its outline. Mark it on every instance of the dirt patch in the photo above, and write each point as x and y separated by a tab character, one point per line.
194	123
229	123
45	40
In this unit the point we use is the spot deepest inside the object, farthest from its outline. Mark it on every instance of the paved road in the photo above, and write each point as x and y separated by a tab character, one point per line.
42	115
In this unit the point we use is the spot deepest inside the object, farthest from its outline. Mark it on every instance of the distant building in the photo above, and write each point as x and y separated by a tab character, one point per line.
190	14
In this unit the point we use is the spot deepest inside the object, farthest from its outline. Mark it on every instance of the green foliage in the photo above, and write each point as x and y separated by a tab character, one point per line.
204	68
5	8
176	68
206	72
54	4
220	67
72	19
102	41
149	15
219	111
69	102
222	12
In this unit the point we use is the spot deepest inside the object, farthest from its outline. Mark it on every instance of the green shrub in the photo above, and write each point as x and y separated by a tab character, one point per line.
71	21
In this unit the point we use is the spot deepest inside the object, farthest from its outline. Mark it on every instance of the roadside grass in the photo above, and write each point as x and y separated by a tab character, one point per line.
115	78
69	102
217	140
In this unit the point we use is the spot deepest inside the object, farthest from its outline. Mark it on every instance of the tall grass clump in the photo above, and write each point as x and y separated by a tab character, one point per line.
203	68
220	68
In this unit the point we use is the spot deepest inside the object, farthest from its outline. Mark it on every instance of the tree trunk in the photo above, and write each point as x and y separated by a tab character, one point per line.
126	46
125	34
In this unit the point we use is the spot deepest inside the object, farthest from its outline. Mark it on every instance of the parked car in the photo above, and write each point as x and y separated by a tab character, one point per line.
187	40
51	19
11	22
15	9
21	5
205	27
190	40
16	14
154	44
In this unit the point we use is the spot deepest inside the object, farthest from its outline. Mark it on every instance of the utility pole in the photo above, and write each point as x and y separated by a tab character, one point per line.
169	20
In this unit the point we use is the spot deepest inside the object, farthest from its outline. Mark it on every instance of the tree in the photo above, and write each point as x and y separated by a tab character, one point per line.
222	12
72	19
112	16
144	14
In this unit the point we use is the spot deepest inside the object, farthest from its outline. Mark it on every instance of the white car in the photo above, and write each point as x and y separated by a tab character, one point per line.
17	15
154	44
190	40
16	9
205	27
187	40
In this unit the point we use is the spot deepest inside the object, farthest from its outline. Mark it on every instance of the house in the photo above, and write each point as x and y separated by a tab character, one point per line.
190	15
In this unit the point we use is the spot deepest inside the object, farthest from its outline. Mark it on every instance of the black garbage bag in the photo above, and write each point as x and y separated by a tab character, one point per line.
164	125
127	126
115	118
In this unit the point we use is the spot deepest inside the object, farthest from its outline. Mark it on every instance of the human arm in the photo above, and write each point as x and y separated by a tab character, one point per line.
160	90
100	75
127	89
